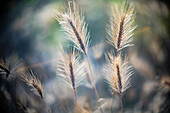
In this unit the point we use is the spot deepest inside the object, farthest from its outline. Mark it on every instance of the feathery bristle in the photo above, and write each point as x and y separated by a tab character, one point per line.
16	66
70	69
120	28
117	73
31	80
73	24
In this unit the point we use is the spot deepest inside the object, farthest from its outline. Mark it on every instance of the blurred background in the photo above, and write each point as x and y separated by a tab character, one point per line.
29	32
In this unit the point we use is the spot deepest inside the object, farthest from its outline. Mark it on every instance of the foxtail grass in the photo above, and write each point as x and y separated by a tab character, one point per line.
31	80
120	35
71	70
73	24
118	74
120	28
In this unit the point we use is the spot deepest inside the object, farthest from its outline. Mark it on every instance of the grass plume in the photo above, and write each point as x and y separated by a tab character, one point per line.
120	35
31	80
73	24
118	73
70	70
120	29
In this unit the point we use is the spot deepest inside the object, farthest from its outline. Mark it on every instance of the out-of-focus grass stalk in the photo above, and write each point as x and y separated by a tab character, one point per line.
31	80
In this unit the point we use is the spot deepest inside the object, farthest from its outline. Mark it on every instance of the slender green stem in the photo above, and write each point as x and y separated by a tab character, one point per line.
121	102
97	96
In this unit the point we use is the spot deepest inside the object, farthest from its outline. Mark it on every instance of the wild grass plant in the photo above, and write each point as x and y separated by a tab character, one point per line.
120	32
73	65
120	35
